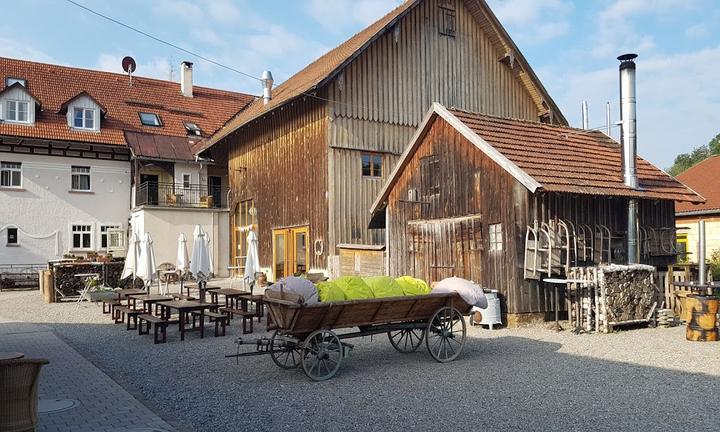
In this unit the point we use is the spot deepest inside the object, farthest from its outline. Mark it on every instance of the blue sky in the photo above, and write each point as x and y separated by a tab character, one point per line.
571	45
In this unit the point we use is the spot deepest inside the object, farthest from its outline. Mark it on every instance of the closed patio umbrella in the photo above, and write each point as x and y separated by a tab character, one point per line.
146	268
183	261
252	261
200	262
131	259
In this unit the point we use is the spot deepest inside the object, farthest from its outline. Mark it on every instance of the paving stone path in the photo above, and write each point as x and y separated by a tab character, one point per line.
103	404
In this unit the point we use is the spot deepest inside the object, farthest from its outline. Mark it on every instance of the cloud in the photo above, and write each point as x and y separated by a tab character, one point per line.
698	31
336	15
22	50
157	67
531	21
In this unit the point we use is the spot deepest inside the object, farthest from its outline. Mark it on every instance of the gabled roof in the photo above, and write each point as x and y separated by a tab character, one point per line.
325	68
53	86
548	158
19	86
704	178
66	104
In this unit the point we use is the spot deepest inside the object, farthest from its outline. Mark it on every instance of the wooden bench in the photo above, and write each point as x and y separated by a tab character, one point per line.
259	306
109	305
220	320
246	316
160	325
132	316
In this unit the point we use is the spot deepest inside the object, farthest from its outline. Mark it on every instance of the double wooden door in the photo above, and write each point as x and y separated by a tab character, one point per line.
291	255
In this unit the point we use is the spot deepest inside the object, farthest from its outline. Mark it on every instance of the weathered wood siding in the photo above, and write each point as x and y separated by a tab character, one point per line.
280	161
381	97
474	193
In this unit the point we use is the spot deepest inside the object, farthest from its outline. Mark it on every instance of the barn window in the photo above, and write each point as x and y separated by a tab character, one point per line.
448	21
430	175
12	236
495	236
371	165
682	247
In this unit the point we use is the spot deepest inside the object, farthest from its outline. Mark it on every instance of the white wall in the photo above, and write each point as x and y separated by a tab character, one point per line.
166	224
44	205
83	102
198	175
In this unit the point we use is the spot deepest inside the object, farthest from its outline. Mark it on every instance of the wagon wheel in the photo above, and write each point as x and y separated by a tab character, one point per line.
445	334
287	356
321	355
406	340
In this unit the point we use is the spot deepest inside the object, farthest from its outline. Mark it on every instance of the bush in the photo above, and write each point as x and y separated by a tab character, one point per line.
715	264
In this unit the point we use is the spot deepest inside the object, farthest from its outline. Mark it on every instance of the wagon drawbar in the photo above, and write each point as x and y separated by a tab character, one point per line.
304	335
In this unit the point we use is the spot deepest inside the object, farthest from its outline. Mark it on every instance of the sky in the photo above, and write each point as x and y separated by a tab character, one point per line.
572	46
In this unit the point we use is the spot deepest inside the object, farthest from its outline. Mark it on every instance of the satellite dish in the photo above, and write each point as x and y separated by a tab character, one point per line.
128	64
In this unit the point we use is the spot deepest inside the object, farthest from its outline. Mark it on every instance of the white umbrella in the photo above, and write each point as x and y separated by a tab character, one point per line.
146	268
131	258
252	262
200	262
183	261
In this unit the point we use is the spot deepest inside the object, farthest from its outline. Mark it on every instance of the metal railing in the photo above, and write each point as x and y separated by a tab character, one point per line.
179	195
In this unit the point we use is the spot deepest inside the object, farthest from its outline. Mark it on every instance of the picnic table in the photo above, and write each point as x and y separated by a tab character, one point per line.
184	308
232	297
127	292
148	300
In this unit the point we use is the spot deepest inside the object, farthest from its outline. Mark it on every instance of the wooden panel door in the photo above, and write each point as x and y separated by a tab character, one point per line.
291	254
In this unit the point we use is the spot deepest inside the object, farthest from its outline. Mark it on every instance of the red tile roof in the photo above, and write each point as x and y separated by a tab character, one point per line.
54	85
705	179
318	72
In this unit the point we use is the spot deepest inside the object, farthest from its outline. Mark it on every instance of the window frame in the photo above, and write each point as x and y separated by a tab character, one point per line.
157	116
430	176
81	232
376	172
448	20
103	230
16	111
192	128
682	238
84	118
79	174
15	243
495	237
11	170
186	184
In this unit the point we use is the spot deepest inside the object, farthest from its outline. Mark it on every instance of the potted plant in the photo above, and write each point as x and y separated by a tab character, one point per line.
99	292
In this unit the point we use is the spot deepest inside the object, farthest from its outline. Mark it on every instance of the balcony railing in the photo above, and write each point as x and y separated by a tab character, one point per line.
178	195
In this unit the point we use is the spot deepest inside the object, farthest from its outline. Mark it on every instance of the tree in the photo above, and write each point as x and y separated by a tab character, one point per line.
684	161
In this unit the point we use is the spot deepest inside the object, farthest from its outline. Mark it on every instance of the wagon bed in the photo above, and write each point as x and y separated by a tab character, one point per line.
304	333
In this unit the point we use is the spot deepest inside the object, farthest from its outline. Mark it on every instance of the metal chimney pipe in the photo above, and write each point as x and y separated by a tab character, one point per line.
628	135
267	82
186	79
607	119
701	252
585	115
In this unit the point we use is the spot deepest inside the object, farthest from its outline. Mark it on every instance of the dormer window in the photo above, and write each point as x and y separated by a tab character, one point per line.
17	111
84	118
192	129
10	81
150	119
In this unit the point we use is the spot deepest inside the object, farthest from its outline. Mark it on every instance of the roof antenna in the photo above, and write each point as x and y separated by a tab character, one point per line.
129	66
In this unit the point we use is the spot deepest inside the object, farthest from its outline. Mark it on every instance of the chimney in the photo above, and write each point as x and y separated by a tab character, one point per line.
628	138
267	82
186	79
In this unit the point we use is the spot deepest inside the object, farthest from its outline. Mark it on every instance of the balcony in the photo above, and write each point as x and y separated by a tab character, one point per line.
180	196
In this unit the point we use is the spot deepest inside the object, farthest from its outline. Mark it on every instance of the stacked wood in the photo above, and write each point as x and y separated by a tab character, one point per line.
667	318
69	284
628	295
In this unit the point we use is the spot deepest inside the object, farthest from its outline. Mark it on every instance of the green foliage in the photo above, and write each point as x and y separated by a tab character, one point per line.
715	264
684	161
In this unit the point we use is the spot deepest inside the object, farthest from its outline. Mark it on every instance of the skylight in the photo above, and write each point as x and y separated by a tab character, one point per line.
150	119
192	128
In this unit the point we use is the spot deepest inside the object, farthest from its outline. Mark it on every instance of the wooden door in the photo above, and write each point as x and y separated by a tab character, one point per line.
291	254
215	190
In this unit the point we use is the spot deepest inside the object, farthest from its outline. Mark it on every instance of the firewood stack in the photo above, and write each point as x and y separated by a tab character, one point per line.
667	318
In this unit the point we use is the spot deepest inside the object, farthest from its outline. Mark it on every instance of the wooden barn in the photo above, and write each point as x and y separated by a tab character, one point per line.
509	202
306	163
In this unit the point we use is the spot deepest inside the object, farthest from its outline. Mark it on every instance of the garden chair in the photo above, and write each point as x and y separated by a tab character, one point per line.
19	394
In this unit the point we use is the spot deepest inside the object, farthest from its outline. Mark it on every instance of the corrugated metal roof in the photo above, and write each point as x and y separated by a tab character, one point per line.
163	147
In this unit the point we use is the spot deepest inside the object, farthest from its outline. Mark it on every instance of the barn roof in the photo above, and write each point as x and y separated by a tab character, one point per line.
325	68
549	158
54	86
704	178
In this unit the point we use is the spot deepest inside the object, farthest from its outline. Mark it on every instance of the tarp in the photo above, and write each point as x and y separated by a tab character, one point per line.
384	286
413	286
471	292
330	292
354	288
298	285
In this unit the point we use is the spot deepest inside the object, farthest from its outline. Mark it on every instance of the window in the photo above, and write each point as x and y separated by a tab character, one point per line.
245	219
192	129
80	178
104	235
84	118
17	111
430	176
371	165
496	241
81	237
682	248
10	81
448	26
12	236
10	174
186	181
150	119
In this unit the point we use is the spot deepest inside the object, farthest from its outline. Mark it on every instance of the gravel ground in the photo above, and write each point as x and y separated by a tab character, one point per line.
529	378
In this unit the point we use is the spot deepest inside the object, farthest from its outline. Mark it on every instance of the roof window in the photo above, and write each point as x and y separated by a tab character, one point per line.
10	81
193	129
150	119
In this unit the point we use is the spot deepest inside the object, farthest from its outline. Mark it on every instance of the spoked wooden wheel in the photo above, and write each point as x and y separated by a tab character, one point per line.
406	340
445	334
321	355
284	355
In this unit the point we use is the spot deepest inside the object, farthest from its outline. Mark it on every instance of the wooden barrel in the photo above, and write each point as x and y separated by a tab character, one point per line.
703	318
